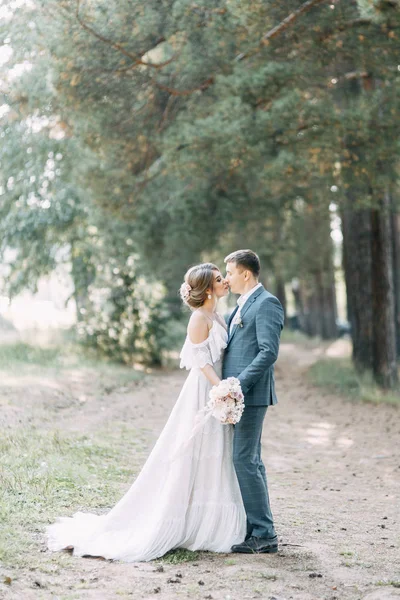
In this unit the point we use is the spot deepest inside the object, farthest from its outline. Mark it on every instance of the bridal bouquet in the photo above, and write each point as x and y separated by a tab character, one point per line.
226	401
226	404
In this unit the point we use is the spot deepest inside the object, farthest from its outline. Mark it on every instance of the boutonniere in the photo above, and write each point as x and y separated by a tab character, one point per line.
238	321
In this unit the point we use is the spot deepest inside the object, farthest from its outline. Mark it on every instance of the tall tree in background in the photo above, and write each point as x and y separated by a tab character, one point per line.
368	98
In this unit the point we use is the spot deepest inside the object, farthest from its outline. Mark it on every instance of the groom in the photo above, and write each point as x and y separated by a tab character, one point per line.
254	331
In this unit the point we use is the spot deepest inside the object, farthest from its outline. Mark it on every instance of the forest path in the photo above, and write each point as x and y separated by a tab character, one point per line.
333	469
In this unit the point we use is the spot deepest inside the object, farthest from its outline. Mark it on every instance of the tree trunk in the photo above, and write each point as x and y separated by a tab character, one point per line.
311	317
83	274
384	331
367	228
358	264
298	303
395	222
347	263
329	330
317	263
281	292
320	312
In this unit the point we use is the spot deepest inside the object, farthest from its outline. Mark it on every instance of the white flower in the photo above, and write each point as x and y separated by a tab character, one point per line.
185	290
237	320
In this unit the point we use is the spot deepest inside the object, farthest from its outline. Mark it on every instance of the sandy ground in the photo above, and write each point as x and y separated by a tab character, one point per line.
334	477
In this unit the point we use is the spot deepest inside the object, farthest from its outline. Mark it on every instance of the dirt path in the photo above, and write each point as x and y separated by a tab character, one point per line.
334	479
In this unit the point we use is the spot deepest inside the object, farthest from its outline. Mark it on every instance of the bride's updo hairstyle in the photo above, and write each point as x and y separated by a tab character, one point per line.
198	279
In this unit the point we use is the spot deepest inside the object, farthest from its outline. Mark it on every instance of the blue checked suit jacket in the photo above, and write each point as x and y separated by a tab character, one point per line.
253	348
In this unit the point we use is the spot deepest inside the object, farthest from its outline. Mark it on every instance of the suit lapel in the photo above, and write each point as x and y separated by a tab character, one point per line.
231	316
231	331
244	310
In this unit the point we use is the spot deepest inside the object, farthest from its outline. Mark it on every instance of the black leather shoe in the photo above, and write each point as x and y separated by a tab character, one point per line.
256	545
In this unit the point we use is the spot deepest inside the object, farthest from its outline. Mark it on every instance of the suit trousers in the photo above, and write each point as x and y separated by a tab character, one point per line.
251	473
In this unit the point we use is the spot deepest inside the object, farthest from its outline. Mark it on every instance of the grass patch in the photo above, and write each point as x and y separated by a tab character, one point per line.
25	359
288	336
269	577
395	584
20	353
46	474
180	555
340	377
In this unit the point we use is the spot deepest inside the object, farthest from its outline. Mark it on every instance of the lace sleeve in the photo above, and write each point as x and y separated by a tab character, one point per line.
201	354
196	355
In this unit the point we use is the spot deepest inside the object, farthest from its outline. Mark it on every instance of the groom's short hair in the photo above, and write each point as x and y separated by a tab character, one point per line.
245	258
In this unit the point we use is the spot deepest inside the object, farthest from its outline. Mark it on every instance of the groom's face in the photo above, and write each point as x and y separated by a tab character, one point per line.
236	277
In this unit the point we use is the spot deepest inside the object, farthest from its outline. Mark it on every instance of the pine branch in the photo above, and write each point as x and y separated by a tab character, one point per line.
174	92
304	8
345	26
356	75
136	58
290	19
264	40
379	26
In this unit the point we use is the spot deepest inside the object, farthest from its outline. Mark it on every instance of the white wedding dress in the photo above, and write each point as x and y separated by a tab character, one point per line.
186	495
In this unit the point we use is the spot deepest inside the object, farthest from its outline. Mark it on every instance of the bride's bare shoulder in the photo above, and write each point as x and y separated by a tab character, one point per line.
198	327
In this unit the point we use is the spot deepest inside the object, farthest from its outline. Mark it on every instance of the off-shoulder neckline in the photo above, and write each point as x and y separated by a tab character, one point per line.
209	334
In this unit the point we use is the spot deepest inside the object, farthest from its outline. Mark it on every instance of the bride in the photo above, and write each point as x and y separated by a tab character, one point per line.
187	494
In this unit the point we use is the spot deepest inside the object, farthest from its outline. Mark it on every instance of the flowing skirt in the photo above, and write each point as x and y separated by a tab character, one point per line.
186	495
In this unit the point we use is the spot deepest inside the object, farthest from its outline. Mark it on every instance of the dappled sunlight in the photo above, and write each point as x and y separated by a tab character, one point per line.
23	381
340	348
326	426
344	442
142	368
303	359
317	351
287	347
20	380
319	433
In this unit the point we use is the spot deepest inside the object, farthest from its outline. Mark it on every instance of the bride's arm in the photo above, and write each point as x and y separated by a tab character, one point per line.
211	375
198	332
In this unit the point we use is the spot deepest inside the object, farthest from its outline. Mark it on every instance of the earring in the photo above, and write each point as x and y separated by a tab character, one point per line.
209	296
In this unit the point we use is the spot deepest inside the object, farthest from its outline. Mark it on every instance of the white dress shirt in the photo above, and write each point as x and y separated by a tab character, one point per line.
241	301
